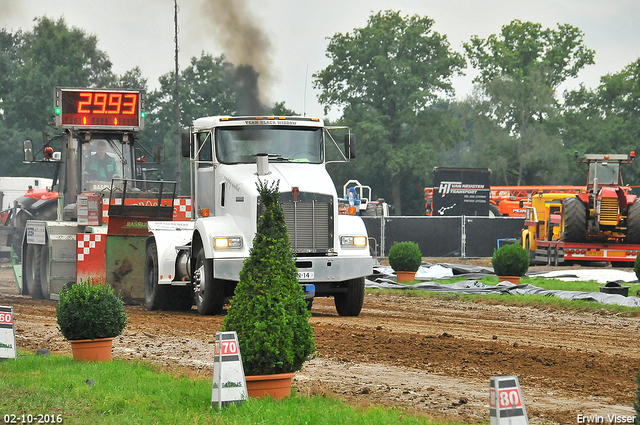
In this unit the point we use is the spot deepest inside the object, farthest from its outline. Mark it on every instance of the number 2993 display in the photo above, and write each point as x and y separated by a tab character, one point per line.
99	108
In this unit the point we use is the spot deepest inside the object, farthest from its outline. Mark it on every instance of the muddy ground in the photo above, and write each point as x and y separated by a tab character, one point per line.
431	356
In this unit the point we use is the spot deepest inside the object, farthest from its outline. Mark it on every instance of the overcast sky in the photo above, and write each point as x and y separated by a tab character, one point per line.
290	36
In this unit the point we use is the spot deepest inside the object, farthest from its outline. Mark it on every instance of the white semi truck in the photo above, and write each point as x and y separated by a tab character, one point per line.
201	259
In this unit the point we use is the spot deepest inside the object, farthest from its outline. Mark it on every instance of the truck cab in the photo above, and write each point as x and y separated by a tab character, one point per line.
228	156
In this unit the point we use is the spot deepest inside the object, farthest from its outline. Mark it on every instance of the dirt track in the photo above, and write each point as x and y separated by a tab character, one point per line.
431	356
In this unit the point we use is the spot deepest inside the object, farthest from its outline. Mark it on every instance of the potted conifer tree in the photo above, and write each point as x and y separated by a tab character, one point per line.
510	262
405	258
90	315
268	310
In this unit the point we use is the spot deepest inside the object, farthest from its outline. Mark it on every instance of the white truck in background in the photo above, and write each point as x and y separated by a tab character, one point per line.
23	189
12	188
202	258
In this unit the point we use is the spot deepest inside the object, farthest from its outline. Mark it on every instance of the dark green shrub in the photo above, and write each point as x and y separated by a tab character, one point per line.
405	256
636	266
268	310
90	311
510	260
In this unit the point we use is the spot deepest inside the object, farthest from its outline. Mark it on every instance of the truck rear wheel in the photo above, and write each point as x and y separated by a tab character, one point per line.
350	303
574	220
155	295
633	223
209	292
32	271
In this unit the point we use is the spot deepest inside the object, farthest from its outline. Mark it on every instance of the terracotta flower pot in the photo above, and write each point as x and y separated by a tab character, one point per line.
276	386
512	279
92	350
405	276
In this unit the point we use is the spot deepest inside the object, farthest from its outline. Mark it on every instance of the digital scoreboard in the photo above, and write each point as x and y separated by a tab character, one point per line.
99	108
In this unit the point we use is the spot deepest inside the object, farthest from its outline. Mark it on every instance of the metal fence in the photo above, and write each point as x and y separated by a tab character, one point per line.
456	236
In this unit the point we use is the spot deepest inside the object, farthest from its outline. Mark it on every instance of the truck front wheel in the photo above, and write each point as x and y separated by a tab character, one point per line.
209	292
350	303
574	220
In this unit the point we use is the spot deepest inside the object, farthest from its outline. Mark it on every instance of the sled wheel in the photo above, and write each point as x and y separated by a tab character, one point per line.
33	271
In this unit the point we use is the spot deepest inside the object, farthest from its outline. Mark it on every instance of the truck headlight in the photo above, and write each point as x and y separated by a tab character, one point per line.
353	241
227	242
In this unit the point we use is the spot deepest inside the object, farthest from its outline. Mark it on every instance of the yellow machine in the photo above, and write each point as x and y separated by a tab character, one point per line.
543	219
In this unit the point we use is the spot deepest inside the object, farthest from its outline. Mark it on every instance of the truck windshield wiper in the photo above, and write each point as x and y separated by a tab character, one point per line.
278	157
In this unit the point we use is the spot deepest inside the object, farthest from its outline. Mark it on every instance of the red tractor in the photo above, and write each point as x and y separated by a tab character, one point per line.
606	212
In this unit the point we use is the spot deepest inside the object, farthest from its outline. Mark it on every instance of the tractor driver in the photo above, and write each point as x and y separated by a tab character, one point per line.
101	166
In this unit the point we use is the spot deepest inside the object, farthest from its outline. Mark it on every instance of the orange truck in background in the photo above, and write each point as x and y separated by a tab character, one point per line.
511	201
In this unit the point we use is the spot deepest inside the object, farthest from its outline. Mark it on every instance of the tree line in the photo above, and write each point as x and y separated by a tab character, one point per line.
391	81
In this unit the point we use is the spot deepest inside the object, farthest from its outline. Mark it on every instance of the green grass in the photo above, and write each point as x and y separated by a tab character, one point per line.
528	300
137	393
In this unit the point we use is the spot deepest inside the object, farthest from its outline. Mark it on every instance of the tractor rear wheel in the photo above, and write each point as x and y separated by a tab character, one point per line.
633	223
574	220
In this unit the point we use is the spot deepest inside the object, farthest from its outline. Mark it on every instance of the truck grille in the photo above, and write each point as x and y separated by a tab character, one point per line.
309	222
609	212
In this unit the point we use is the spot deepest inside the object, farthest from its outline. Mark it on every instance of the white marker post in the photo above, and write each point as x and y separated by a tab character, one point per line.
7	334
229	385
506	406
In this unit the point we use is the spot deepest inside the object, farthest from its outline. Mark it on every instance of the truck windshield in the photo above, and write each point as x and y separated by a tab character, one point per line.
607	173
291	144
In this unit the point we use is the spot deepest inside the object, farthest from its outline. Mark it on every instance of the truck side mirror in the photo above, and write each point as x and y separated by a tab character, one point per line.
186	145
158	153
350	145
27	147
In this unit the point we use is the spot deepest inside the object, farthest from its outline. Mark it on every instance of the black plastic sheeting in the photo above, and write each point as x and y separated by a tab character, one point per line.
384	279
442	236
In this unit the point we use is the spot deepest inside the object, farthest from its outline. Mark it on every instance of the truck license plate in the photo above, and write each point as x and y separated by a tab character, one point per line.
305	275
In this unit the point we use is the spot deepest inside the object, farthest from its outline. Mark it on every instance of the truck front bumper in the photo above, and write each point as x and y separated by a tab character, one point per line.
310	269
